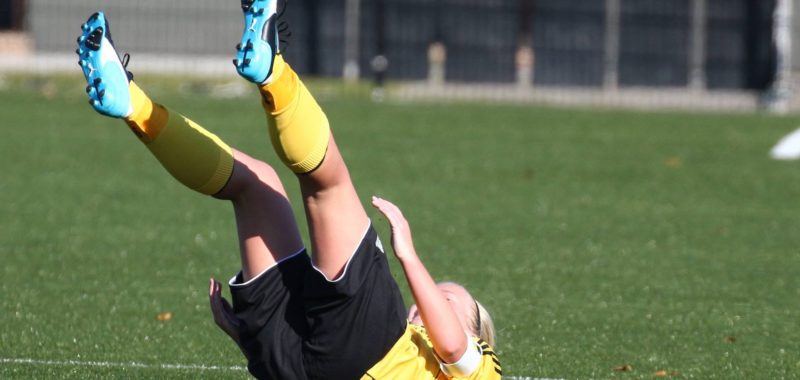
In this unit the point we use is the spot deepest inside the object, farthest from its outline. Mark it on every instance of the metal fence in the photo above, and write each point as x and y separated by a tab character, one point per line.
594	49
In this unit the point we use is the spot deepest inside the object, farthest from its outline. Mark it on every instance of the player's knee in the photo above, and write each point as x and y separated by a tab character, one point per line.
251	179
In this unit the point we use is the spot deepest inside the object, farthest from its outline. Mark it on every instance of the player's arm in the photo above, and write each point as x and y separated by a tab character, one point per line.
448	338
223	313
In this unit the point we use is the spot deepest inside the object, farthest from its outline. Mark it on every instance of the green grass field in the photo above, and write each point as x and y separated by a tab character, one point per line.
664	241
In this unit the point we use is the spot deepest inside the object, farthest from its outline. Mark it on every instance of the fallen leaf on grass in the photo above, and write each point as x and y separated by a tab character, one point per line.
663	373
163	317
528	173
673	162
624	368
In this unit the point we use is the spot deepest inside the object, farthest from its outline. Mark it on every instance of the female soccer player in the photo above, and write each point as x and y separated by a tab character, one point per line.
337	314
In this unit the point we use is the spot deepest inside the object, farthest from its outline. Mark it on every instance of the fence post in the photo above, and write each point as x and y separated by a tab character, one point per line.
779	93
437	57
14	35
697	46
18	12
437	51
379	63
313	36
611	62
524	58
352	15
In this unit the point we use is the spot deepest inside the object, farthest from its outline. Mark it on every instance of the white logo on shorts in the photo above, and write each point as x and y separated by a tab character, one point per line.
379	244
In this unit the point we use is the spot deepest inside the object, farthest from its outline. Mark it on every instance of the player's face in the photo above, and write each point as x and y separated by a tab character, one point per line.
459	299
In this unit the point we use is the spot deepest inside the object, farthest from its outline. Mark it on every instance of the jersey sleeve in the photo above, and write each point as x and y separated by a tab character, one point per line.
490	368
480	362
469	362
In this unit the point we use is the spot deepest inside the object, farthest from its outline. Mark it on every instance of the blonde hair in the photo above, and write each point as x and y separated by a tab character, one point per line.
483	324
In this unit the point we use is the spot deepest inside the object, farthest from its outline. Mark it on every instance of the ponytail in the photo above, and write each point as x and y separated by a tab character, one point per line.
483	324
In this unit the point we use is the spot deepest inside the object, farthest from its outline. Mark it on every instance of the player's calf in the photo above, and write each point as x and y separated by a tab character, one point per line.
194	156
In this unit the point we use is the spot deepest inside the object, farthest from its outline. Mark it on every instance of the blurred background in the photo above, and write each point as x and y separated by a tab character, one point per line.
727	55
661	242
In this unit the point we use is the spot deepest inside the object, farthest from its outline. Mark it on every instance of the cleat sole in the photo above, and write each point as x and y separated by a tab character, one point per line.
258	44
105	73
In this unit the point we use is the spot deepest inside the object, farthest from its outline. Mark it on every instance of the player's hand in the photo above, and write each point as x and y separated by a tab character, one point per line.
222	311
401	233
413	315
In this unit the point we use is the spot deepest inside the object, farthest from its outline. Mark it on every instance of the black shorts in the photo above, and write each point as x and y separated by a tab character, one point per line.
298	325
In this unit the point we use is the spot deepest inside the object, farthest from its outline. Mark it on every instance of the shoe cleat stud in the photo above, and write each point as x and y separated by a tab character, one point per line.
236	62
260	25
107	79
239	46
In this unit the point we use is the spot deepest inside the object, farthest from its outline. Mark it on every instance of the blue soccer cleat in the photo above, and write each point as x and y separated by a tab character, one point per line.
105	73
259	43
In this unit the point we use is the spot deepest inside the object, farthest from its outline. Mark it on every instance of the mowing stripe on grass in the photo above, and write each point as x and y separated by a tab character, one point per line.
90	363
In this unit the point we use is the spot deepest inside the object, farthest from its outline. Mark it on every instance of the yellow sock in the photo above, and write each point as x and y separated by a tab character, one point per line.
283	87
298	128
147	118
194	156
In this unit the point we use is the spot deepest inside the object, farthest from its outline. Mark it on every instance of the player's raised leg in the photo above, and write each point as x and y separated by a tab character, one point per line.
301	136
195	157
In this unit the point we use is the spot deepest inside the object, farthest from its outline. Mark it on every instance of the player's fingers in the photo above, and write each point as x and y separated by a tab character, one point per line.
383	204
378	203
388	209
219	304
214	291
215	299
412	312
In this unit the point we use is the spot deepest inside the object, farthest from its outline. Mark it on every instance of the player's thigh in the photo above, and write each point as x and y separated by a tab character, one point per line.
336	217
265	222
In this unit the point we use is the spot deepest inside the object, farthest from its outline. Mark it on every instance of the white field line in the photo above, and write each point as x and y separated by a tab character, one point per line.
102	364
195	367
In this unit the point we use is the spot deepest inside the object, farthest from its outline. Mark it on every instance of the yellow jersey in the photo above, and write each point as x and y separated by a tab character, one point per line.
412	357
